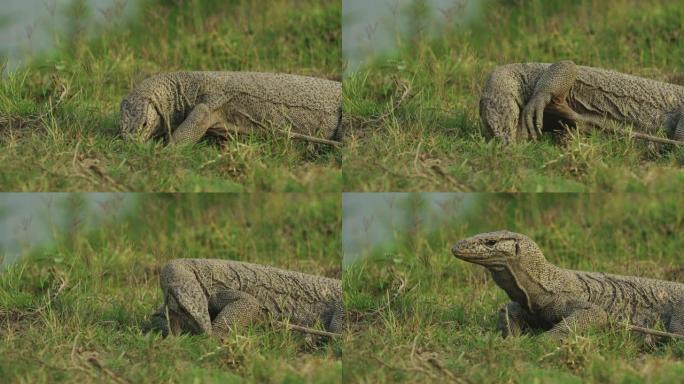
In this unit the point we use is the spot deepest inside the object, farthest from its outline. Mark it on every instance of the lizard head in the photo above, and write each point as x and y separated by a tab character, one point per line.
139	119
515	261
499	250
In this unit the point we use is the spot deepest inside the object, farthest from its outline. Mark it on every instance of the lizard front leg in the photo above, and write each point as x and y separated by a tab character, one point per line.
334	318
678	133
157	322
194	127
575	316
514	320
551	88
184	298
500	102
676	323
235	309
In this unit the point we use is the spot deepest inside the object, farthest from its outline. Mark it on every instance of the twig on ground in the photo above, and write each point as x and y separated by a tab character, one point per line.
563	110
311	331
648	331
635	135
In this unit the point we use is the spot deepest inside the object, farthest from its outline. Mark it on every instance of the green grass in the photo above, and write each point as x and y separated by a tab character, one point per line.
415	122
59	113
72	311
428	317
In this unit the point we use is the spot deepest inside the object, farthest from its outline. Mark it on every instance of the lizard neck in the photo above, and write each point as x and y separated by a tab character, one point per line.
173	96
184	94
531	283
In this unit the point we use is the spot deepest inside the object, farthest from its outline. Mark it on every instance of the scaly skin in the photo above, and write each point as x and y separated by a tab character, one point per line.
213	296
519	101
557	300
186	106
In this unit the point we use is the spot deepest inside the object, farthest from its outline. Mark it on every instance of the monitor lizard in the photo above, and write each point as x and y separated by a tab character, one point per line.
184	107
557	300
520	101
212	296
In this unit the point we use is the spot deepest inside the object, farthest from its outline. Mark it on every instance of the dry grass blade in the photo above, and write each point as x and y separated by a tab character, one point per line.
292	135
405	95
89	169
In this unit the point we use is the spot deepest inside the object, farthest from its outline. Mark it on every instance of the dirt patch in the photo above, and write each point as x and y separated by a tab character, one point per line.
16	321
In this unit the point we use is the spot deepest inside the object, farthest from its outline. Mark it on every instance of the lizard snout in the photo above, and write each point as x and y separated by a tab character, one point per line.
457	248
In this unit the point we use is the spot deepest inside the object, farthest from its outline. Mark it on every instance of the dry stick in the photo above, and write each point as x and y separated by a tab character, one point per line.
301	136
309	330
635	328
294	135
638	135
565	111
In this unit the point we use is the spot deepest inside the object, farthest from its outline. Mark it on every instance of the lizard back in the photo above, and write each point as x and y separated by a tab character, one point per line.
282	293
641	299
311	106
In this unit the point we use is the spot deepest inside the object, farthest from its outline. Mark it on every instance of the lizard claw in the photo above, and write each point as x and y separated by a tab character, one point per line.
533	117
528	121
539	120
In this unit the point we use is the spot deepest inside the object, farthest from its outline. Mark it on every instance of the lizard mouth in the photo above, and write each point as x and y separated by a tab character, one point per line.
461	250
155	133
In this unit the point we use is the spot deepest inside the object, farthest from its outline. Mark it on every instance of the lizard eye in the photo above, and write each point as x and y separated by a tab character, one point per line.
490	243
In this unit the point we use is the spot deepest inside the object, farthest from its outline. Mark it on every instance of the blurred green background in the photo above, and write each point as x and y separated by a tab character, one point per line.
374	30
29	220
30	28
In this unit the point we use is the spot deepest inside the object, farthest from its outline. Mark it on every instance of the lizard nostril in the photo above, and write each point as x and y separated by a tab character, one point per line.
457	247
